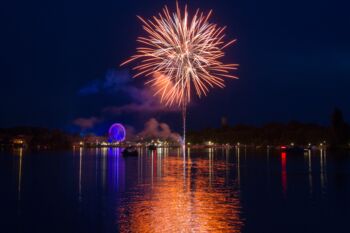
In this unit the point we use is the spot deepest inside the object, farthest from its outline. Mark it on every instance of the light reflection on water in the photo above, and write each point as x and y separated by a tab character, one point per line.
209	190
188	195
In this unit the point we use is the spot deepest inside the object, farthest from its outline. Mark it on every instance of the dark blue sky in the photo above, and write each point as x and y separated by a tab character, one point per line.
294	61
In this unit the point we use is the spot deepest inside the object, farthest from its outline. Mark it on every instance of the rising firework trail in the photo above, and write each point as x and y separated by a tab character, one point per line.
180	54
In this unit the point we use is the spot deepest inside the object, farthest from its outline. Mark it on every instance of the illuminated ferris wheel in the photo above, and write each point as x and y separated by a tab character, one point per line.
117	133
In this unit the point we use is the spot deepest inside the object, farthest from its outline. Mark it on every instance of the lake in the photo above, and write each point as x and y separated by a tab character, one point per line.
211	190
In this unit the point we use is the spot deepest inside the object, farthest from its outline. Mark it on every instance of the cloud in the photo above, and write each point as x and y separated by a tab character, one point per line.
157	130
129	98
130	133
114	80
90	89
87	123
143	101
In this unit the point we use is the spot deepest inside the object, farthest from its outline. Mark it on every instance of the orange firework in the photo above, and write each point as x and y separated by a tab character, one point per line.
180	53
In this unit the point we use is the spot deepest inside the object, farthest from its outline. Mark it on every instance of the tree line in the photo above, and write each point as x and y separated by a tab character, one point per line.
337	135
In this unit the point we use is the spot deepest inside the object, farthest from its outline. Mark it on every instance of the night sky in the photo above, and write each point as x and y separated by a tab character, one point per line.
60	63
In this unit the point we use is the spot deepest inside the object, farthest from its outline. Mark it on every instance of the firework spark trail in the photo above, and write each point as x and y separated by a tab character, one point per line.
180	54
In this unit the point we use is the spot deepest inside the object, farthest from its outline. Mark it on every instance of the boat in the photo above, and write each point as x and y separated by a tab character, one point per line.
130	151
152	147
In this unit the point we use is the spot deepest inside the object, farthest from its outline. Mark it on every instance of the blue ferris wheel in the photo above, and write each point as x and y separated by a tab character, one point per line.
116	133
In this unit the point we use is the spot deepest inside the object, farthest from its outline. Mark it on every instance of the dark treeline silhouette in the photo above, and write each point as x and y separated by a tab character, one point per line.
270	134
340	130
335	136
36	137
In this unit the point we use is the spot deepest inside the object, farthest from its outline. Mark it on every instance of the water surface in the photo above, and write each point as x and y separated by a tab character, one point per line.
212	190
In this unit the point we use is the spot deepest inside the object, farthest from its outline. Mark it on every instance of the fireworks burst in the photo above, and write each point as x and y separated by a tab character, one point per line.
181	53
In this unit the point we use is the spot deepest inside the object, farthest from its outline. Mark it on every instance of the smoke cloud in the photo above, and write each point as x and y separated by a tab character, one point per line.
143	101
136	100
158	130
114	81
87	123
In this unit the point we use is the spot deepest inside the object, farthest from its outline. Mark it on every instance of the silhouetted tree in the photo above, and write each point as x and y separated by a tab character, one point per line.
339	129
270	134
37	137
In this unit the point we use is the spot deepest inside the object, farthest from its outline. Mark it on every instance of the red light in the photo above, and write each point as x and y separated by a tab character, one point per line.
284	155
284	172
283	147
